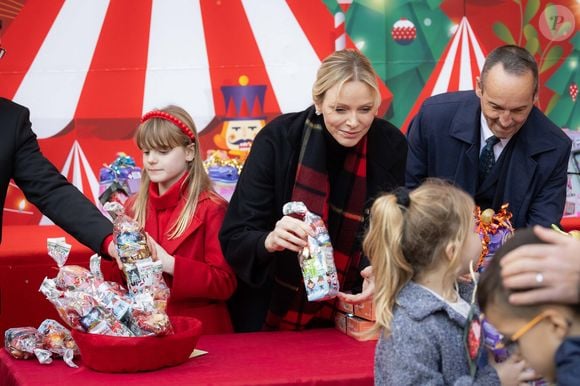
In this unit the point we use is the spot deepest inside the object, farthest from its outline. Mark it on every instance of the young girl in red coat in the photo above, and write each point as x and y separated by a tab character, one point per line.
182	216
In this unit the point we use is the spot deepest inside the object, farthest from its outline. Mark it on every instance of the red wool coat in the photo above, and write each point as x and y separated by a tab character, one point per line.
202	279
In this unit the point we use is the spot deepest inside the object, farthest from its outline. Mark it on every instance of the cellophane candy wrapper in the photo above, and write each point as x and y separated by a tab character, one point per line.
494	229
87	303
223	171
130	240
144	276
20	342
119	180
492	340
49	339
317	259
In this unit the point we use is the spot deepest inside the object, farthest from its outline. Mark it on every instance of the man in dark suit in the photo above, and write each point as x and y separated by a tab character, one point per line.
43	185
524	155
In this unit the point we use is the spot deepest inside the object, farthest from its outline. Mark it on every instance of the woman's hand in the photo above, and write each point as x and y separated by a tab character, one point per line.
368	288
158	253
289	233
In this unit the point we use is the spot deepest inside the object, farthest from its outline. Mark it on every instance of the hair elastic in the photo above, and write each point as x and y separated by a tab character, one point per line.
402	195
168	117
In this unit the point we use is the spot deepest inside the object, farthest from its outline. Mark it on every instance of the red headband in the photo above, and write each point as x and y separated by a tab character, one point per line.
168	117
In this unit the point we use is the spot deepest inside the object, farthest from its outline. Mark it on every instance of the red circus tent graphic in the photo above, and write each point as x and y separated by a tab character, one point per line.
89	69
457	69
78	170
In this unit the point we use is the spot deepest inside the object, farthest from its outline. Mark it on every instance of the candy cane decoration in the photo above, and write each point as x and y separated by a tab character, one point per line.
340	25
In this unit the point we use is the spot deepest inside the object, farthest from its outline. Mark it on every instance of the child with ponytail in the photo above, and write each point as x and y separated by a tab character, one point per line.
419	244
182	215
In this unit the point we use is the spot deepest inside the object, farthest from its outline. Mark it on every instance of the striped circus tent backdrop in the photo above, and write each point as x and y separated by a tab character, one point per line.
88	69
457	69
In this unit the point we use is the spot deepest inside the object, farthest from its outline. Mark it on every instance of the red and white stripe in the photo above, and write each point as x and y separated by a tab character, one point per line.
457	69
53	83
89	69
77	168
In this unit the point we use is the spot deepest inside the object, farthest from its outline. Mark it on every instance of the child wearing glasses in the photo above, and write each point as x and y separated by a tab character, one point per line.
546	335
419	244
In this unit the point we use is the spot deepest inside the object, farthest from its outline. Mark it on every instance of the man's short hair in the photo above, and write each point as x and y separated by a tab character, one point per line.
515	60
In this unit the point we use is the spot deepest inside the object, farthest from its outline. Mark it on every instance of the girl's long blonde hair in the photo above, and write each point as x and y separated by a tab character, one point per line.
403	241
157	133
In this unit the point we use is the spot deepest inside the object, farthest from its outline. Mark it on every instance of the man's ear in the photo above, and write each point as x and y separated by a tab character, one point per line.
478	88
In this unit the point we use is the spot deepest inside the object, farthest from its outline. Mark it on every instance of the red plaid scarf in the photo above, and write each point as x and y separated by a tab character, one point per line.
342	211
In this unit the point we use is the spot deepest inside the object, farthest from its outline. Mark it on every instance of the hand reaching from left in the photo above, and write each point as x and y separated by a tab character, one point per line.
368	288
159	253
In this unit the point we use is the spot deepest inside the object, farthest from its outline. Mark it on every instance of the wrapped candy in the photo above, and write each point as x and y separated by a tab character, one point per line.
494	229
144	276
51	338
20	342
222	168
223	171
57	340
119	180
317	259
58	249
130	239
87	303
123	171
492	340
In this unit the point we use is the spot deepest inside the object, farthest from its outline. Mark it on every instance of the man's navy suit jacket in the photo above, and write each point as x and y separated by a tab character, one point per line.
444	142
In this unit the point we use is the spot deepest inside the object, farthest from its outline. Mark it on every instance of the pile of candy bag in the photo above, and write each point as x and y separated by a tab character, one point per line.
51	338
86	302
317	259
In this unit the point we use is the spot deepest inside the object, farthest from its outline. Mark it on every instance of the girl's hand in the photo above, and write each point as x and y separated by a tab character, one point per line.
112	251
289	233
368	288
159	253
513	371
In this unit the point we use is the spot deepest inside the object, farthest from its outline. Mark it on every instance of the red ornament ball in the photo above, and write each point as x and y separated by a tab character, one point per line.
404	31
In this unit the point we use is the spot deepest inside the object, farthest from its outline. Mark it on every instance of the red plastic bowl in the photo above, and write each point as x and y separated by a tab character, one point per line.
113	354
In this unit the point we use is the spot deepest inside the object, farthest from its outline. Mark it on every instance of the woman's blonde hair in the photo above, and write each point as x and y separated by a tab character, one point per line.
405	240
341	67
158	133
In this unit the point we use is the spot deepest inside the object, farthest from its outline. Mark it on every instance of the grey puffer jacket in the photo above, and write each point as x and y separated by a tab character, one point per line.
426	345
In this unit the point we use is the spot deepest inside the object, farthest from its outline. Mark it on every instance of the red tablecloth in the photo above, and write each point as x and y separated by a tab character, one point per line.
24	263
314	357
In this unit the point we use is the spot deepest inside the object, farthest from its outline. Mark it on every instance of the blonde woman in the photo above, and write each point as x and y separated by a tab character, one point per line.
335	156
182	216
